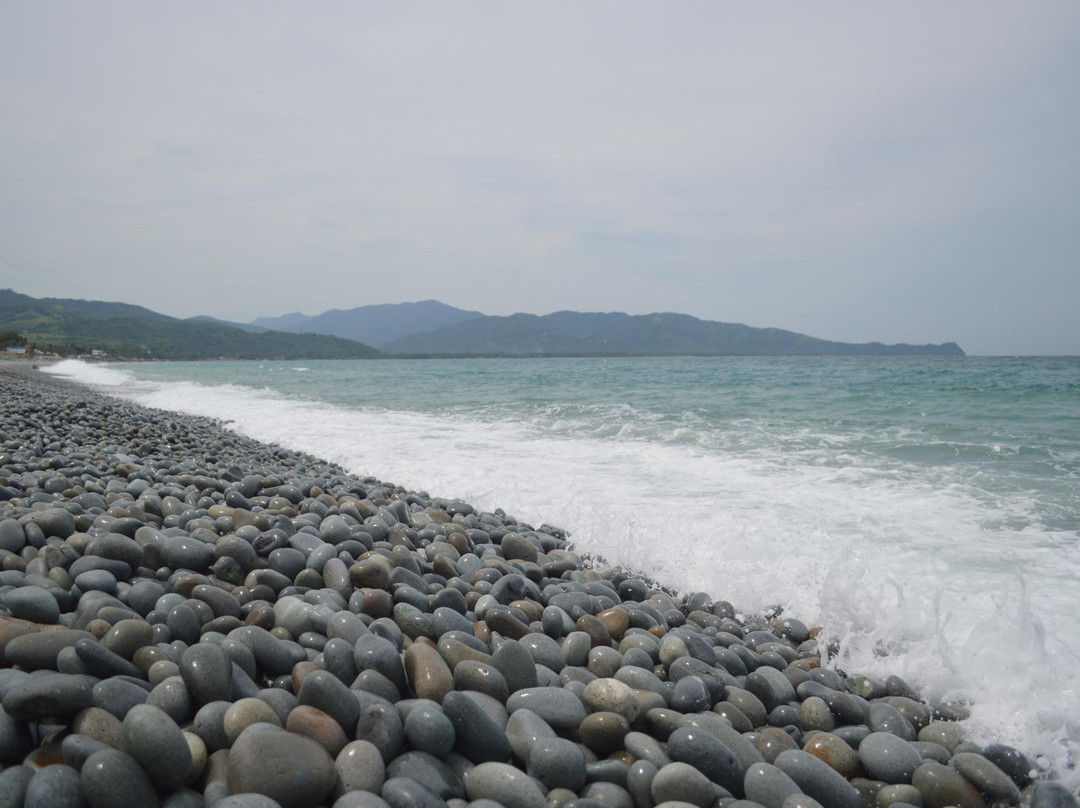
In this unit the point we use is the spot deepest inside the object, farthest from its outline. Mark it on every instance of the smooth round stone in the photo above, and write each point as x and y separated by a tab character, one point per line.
401	792
117	696
207	673
616	620
199	756
57	522
899	794
360	799
102	663
814	713
991	781
171	695
381	724
113	779
185	552
435	775
709	755
76	748
560	708
99	725
479	737
523	729
184	623
516	665
639	779
245	712
768	785
428	674
14	782
885	718
576	646
99	580
55	786
49	695
289	768
324	691
817	779
888	757
244	801
557	763
771	687
504	784
603	732
1052	795
646	747
834	752
749	705
944	733
683	783
157	743
16	740
471	674
429	730
33	603
690	695
315	724
128	636
209	725
601	794
1014	763
612	696
545	651
772	741
38	651
942	786
360	766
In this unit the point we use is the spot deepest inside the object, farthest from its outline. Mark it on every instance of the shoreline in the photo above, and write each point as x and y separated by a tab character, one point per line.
709	665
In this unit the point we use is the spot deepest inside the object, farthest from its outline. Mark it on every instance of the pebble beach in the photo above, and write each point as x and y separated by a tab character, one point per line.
190	617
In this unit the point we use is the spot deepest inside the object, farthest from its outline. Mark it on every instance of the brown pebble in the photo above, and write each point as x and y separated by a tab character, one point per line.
319	726
657	631
481	631
429	676
300	672
806	664
99	628
834	751
772	741
500	620
603	732
261	616
377	603
597	631
616	620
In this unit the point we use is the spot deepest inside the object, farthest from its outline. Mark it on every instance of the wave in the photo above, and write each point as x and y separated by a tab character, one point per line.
914	569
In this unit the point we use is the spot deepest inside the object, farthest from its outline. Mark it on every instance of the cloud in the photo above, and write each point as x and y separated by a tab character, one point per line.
703	157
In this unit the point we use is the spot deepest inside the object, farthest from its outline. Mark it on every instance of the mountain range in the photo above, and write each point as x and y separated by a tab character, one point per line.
67	326
424	328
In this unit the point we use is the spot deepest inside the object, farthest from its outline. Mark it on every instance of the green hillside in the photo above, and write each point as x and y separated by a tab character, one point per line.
79	326
577	333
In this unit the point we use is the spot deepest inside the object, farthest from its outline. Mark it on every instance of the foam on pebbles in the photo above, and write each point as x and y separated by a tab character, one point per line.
191	618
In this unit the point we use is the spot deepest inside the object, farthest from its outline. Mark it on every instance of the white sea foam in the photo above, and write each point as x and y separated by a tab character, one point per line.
899	567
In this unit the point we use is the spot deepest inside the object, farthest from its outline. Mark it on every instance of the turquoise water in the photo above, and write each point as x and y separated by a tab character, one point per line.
926	510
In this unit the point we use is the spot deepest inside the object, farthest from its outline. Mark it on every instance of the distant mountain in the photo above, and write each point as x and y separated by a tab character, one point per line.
78	326
286	322
374	325
577	333
206	318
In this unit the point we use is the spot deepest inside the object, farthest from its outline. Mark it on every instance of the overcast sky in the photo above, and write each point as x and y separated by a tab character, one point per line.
855	171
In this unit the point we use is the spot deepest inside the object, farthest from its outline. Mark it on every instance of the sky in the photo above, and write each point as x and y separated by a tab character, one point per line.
903	172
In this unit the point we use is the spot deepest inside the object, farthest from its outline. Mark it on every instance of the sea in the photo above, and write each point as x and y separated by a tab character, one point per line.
925	511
